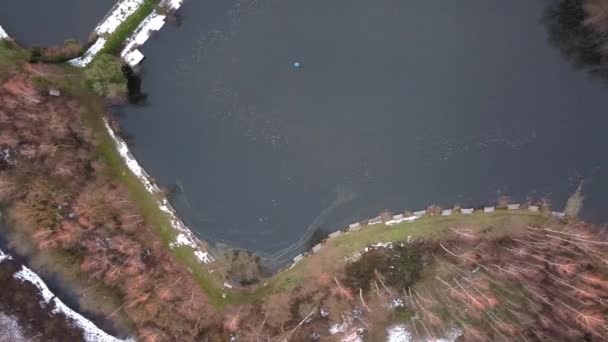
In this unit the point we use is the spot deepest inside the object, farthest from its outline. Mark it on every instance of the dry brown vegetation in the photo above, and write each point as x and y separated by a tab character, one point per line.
57	191
57	54
545	283
551	284
597	14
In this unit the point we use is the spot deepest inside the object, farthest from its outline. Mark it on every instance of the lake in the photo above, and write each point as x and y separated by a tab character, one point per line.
45	23
395	105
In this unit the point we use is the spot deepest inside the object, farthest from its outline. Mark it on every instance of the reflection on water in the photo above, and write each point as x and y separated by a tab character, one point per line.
397	104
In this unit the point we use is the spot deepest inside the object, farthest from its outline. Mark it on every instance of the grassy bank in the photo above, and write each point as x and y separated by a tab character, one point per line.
10	57
334	253
148	203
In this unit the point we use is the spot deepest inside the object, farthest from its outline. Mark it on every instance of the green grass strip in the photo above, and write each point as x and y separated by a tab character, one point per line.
117	38
150	210
72	82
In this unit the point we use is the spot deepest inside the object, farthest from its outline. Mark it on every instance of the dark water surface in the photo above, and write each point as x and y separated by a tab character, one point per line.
397	104
51	22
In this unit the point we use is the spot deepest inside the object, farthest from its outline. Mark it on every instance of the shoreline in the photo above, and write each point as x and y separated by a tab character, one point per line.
398	219
228	294
185	236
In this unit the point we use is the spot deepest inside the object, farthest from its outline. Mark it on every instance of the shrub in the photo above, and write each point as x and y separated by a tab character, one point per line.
399	267
105	77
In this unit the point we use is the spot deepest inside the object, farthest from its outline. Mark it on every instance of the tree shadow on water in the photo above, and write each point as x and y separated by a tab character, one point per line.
135	94
583	46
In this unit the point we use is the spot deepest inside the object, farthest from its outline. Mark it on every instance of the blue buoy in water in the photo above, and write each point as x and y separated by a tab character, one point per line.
296	64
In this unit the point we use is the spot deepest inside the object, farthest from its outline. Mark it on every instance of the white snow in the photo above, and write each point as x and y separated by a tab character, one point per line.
122	10
399	218
117	15
174	4
3	34
130	54
185	236
338	328
4	256
88	56
9	324
400	333
90	331
154	22
133	58
180	240
397	303
203	257
348	332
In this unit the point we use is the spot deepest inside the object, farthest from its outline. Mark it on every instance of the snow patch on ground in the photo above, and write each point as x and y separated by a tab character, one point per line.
117	15
354	257
401	219
3	34
174	4
90	331
4	256
185	236
154	22
10	326
130	54
122	10
338	328
400	333
203	257
88	56
397	303
348	332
